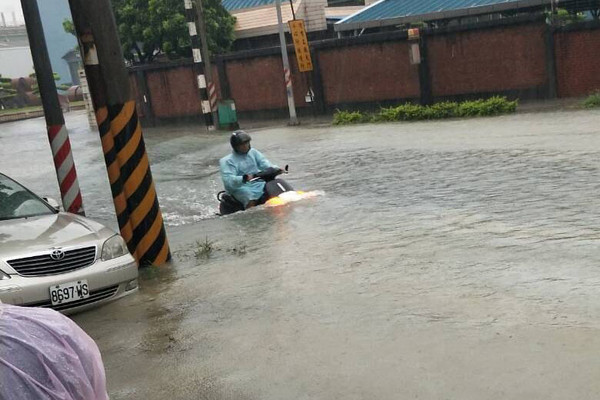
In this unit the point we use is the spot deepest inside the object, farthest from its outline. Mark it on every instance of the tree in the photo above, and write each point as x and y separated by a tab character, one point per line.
36	89
69	27
151	27
6	92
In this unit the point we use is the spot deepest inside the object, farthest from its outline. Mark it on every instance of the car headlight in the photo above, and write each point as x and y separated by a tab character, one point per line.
113	248
4	276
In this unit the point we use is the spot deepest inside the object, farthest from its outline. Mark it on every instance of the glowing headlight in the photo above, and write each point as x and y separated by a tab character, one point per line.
113	248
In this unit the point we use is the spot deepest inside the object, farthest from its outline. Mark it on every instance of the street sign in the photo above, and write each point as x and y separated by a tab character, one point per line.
414	34
301	45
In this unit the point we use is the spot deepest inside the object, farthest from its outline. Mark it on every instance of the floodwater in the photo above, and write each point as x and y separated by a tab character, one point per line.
442	260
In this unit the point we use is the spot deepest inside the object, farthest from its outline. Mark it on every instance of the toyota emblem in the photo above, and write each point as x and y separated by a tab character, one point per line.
57	255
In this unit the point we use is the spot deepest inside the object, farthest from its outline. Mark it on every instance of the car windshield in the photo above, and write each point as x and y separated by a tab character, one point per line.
18	202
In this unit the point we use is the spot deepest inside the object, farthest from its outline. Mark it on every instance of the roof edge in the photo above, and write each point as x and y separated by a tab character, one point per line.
462	12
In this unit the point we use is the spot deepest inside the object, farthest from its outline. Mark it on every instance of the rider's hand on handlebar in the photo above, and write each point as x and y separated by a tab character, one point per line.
247	178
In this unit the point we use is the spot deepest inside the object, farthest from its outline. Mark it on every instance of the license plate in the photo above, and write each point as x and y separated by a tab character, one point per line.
68	292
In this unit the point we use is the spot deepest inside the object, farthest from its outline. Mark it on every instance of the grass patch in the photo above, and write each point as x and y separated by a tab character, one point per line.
10	111
592	101
204	249
414	112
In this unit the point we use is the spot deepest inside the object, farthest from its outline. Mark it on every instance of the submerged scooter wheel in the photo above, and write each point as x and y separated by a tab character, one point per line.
228	204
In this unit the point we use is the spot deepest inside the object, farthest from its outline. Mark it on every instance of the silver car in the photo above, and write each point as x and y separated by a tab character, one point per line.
55	259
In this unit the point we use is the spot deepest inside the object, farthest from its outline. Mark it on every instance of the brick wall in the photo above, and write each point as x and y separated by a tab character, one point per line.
173	92
480	61
372	72
257	83
139	98
577	62
365	70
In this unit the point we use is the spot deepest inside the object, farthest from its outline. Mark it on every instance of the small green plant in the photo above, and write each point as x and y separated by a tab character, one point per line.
592	101
349	117
204	249
564	17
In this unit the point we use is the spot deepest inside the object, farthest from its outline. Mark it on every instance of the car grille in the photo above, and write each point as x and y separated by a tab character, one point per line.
95	295
45	265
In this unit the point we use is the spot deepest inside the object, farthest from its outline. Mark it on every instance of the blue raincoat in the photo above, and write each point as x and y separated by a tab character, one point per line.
235	166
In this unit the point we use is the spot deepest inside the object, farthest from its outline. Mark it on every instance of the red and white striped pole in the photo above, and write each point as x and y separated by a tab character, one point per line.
212	96
65	169
57	132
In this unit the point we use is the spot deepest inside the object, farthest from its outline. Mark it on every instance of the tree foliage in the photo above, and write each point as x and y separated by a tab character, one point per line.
151	27
6	91
35	87
69	27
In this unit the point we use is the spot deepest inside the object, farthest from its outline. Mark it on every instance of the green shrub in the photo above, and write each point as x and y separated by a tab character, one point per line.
446	109
410	112
349	117
592	101
413	112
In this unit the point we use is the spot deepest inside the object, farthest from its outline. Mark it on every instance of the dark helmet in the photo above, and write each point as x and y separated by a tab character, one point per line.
238	138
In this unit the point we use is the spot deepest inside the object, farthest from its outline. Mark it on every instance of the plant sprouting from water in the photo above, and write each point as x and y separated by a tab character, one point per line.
204	249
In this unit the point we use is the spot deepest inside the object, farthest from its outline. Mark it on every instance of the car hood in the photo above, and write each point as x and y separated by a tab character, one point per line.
18	237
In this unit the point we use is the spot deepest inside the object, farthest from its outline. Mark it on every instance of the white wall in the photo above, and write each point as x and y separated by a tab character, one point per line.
15	62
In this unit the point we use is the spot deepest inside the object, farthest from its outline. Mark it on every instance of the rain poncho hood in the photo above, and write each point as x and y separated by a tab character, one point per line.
45	355
235	166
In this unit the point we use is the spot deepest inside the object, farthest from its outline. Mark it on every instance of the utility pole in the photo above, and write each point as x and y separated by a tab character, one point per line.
212	91
208	94
134	195
286	67
55	121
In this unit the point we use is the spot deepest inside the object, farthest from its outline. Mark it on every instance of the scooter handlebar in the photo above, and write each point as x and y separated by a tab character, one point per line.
269	174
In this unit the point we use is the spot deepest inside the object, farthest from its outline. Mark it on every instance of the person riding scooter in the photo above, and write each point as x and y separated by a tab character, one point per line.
239	168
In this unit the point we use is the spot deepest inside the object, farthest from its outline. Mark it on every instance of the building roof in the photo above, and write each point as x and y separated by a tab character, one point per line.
232	5
393	12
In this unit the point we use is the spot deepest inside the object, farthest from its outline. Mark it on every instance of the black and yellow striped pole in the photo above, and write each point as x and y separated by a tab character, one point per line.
134	195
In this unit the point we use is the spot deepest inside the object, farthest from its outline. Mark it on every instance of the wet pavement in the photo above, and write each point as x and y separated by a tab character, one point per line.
454	259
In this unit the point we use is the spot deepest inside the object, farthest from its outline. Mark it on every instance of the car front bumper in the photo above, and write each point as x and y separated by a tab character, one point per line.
107	281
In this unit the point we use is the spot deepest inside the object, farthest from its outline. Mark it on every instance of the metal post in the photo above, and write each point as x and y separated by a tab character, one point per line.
286	67
134	195
212	91
205	85
55	122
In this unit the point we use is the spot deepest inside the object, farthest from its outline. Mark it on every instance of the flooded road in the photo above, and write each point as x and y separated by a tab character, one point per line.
453	259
